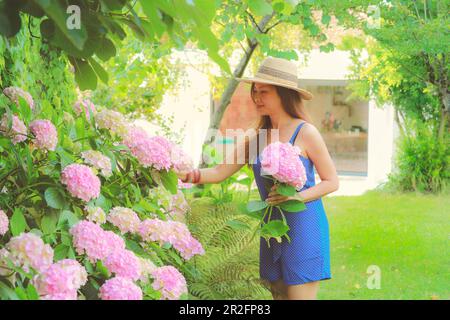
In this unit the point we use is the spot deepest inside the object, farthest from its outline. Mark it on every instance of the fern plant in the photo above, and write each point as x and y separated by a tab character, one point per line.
230	267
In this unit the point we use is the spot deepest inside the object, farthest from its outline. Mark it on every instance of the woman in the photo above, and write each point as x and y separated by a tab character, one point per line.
293	269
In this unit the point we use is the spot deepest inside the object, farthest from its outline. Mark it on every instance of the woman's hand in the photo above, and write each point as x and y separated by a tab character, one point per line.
181	175
275	198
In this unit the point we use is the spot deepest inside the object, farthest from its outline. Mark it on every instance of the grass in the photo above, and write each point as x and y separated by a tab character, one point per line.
404	235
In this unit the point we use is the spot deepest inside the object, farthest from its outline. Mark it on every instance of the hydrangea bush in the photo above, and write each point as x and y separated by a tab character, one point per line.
90	206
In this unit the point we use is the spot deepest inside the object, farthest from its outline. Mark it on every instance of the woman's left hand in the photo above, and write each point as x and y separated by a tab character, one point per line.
274	198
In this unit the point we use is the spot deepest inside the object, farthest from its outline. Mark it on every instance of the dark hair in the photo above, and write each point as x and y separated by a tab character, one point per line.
292	104
291	101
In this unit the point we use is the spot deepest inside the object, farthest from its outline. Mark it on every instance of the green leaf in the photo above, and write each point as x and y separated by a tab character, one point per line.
286	190
260	7
169	180
67	216
48	223
60	252
54	198
6	292
293	206
256	205
18	222
106	50
32	292
238	225
101	73
275	228
21	293
84	74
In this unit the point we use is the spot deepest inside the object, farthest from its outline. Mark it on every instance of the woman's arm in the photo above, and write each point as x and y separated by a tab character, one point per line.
317	151
221	171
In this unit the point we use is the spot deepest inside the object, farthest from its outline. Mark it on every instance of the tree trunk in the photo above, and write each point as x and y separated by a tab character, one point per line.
217	112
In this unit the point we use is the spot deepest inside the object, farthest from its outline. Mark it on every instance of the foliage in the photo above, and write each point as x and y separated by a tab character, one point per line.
36	199
229	270
404	62
28	63
423	163
140	75
97	27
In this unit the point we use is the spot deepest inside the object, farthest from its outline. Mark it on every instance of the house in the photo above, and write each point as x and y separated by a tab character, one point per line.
359	134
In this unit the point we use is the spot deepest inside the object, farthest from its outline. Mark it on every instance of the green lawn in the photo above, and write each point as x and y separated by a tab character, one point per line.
405	235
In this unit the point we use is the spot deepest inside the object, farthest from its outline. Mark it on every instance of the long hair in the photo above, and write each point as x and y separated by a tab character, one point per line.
292	104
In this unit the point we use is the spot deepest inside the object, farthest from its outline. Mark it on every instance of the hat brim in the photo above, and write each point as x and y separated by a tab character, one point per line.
306	95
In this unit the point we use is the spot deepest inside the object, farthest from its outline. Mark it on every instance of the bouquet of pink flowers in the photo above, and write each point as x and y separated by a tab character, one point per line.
280	162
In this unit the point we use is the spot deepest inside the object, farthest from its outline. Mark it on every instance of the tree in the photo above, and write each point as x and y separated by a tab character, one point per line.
100	27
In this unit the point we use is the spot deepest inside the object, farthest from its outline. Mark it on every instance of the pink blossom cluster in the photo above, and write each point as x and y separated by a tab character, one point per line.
4	223
18	131
147	267
61	280
178	206
28	250
46	136
180	160
84	105
125	219
150	151
281	160
123	263
98	161
107	246
120	288
170	282
173	232
81	181
112	120
96	243
184	185
14	93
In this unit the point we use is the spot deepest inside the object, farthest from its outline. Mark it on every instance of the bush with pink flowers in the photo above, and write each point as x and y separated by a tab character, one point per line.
75	204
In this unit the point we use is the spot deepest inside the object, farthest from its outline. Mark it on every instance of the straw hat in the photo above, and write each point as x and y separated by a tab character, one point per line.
279	72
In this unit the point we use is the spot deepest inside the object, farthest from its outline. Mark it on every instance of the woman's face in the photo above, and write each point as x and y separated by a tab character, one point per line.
266	98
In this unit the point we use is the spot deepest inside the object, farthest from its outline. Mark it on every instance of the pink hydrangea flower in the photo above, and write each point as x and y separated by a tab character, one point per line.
178	206
125	219
98	161
63	277
180	160
84	105
18	131
113	121
14	93
91	239
81	181
120	288
170	282
46	136
28	250
150	151
4	223
123	263
147	267
184	185
281	160
71	295
174	232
